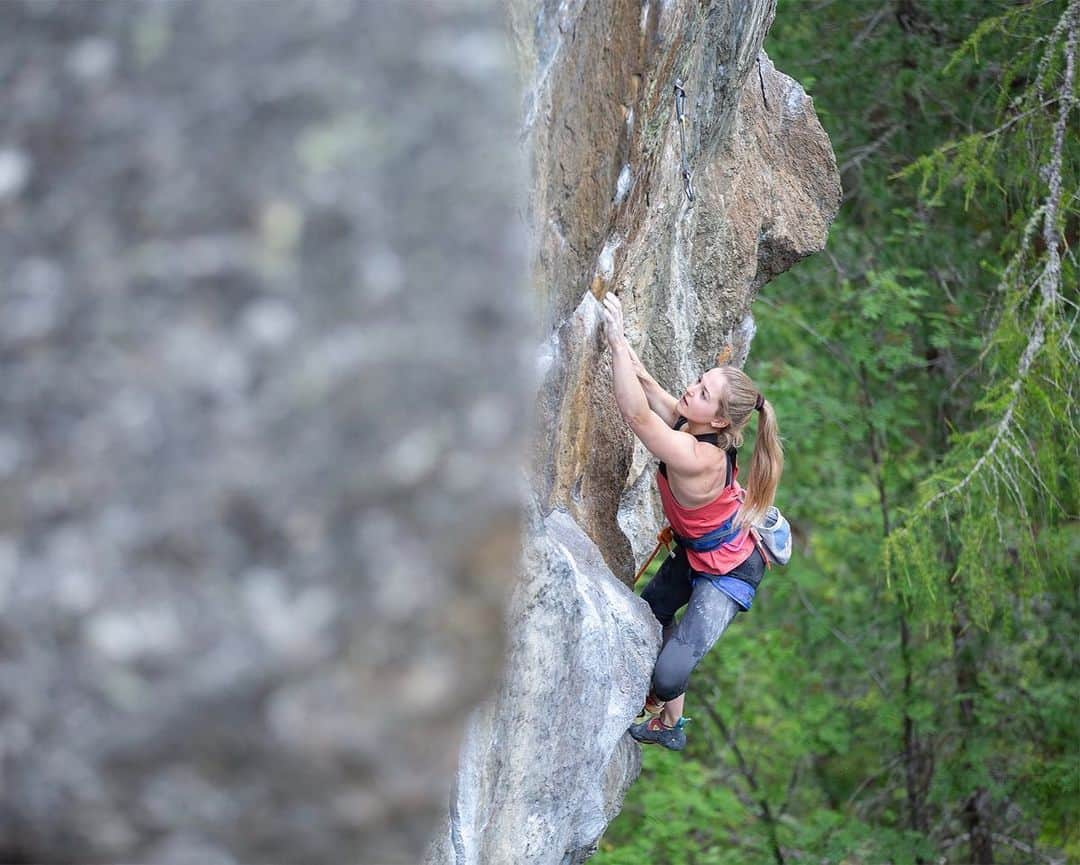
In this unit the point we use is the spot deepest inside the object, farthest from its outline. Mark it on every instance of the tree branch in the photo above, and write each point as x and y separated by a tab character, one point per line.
1050	279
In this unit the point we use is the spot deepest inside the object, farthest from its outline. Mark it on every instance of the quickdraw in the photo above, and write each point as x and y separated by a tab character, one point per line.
680	114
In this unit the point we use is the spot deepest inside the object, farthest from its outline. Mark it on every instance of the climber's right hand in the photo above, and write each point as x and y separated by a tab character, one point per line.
613	323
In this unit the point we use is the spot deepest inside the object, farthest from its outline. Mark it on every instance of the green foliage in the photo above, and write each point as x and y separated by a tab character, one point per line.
1002	479
921	647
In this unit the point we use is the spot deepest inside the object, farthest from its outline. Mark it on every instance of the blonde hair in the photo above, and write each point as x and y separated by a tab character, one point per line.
737	401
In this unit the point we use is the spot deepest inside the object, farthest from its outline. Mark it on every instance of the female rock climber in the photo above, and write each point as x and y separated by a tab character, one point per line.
696	437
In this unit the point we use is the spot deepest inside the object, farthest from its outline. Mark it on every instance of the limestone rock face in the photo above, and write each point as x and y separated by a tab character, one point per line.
545	763
608	212
266	364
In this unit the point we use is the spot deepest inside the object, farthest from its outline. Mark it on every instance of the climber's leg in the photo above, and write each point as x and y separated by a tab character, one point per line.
707	616
669	590
673	710
709	613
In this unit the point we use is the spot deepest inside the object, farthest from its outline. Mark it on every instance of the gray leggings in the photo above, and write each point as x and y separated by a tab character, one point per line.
708	614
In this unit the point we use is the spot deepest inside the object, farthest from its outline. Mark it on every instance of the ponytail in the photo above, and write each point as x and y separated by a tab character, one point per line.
737	404
766	466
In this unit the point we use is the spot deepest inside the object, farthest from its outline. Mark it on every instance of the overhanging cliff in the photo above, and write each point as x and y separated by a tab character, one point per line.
547	761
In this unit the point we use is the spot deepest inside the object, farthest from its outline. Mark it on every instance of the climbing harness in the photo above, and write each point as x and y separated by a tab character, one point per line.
722	534
772	537
680	114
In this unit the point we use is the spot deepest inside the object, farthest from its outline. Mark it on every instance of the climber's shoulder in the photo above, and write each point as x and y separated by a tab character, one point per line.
681	451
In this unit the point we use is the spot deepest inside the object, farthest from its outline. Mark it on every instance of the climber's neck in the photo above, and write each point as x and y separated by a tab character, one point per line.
697	429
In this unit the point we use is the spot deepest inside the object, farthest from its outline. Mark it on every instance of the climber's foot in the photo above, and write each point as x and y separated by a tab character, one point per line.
656	732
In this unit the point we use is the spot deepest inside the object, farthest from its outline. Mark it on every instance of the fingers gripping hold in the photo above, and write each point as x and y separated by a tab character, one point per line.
613	318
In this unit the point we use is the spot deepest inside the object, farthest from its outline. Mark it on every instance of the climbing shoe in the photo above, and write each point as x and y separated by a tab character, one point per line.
656	732
651	709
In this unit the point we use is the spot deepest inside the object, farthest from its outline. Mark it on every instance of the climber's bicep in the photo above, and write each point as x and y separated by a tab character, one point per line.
676	448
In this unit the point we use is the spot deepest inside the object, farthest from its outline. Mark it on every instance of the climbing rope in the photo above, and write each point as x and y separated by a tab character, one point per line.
680	113
665	537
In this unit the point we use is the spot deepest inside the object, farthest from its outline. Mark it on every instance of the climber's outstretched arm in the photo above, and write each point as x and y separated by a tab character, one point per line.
629	393
660	401
679	450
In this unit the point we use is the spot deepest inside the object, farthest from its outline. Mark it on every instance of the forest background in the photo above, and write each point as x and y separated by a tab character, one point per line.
906	690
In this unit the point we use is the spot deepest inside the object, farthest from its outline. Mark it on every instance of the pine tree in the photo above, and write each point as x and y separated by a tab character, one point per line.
903	692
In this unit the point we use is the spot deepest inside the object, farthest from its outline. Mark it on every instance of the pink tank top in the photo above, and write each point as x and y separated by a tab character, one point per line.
696	522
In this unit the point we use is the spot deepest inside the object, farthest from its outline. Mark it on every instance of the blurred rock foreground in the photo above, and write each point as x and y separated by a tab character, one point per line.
266	353
279	279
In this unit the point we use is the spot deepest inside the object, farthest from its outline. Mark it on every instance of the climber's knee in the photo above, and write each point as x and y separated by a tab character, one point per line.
665	690
673	668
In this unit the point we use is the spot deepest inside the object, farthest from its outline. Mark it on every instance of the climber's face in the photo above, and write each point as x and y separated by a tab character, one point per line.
701	400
